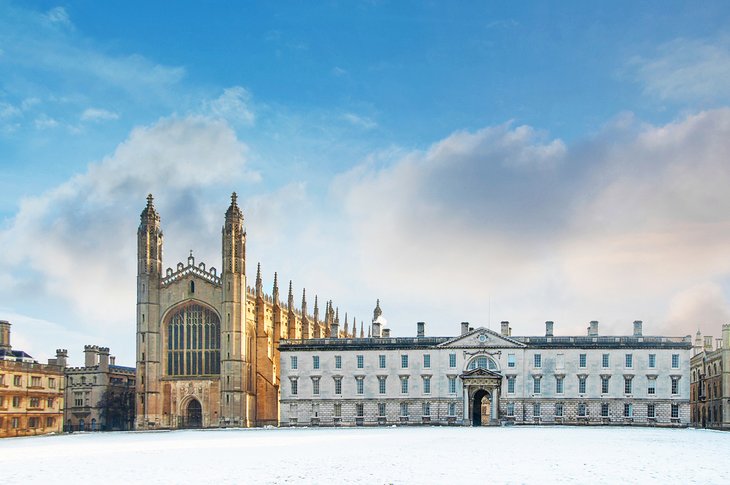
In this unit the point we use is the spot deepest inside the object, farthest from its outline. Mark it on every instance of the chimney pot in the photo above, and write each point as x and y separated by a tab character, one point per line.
464	328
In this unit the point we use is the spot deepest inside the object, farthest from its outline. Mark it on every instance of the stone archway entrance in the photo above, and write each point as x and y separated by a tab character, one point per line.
481	396
481	408
193	414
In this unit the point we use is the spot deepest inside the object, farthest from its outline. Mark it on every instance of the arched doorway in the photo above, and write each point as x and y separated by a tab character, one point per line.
194	414
481	408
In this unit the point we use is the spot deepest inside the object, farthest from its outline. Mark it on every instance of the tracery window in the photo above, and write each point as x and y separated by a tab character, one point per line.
193	342
482	362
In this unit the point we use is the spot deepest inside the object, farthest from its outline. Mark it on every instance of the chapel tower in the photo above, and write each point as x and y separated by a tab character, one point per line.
149	272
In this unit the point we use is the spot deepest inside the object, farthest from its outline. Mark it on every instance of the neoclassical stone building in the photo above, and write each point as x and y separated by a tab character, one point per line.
482	377
207	344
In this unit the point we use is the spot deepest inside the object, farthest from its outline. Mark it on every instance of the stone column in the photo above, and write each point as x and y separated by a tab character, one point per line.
495	405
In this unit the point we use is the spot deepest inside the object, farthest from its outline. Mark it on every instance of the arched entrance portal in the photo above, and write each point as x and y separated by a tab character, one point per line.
194	414
481	408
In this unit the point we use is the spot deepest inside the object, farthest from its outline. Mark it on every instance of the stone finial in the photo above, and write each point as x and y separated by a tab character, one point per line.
377	312
150	200
316	309
275	292
346	325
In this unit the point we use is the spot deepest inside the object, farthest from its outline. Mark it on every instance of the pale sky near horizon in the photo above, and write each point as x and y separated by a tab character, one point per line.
461	161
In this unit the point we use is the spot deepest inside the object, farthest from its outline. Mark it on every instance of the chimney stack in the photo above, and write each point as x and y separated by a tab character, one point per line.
104	359
593	328
638	332
386	333
464	328
708	343
506	331
335	330
5	335
549	328
90	355
112	360
421	329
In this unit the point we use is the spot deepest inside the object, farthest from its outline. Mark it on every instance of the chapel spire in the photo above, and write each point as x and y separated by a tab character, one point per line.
259	285
234	239
275	291
149	241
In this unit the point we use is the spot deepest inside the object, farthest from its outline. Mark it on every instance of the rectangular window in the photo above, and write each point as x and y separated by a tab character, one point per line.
536	409
50	422
628	410
605	361
381	361
629	361
35	381
427	409
294	362
381	384
17	381
510	384
427	385
315	362
452	360
35	402
338	385
78	398
651	389
404	361
360	361
675	411
15	423
510	360
582	384
338	362
452	385
294	387
604	409
510	409
404	385
559	384
675	361
381	409
16	401
650	411
404	409
426	361
652	361
452	409
627	385
32	422
582	360
538	360
360	382
582	410
338	410
51	383
315	386
359	410
675	385
536	385
559	410
604	385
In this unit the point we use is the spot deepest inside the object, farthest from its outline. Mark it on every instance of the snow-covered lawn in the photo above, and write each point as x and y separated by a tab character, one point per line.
373	455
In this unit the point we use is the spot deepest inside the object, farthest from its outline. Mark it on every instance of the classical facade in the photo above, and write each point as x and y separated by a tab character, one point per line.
710	381
31	394
100	394
482	377
207	343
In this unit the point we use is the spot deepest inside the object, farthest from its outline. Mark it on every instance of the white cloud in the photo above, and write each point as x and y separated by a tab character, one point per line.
7	110
58	15
44	122
233	105
687	70
613	228
75	243
96	114
360	121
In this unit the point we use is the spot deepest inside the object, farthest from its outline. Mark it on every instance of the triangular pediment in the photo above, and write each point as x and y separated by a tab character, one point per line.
482	338
480	372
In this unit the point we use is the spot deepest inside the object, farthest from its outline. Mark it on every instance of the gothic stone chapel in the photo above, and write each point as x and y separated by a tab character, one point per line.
207	344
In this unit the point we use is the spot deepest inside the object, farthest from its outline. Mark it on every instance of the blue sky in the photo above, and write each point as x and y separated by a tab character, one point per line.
459	160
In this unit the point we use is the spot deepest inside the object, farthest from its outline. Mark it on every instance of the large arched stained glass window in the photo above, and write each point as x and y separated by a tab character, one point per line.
482	362
193	341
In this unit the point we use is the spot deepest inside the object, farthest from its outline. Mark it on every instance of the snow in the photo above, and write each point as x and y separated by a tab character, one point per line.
373	455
